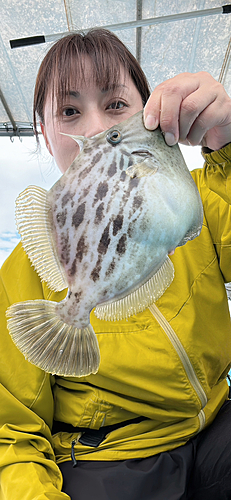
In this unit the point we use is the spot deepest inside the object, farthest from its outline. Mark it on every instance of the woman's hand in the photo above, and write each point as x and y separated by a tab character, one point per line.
191	108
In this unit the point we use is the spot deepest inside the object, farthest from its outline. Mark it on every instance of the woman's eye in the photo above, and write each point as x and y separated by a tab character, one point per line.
116	105
69	112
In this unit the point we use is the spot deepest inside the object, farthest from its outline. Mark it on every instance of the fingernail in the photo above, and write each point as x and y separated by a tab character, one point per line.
170	139
150	122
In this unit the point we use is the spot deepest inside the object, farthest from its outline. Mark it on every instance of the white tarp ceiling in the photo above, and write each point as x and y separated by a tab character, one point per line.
164	48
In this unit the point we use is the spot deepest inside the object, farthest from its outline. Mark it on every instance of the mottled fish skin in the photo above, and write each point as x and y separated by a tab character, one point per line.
112	232
104	231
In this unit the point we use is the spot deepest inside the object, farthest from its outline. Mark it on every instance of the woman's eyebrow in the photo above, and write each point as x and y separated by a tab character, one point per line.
110	88
73	93
113	87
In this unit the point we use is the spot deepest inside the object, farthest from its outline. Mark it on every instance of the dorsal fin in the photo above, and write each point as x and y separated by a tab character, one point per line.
32	219
80	139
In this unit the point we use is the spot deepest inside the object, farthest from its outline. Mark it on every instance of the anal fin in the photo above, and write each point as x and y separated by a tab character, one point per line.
49	343
139	299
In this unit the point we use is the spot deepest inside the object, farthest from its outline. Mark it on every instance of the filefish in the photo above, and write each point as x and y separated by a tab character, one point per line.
104	231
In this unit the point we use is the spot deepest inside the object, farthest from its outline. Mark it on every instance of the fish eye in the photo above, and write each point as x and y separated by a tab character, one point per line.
114	137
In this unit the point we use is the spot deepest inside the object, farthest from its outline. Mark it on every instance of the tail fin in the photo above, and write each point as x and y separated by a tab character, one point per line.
49	343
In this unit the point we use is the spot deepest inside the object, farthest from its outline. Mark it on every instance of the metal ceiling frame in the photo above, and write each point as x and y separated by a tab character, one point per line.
139	23
13	128
139	6
225	64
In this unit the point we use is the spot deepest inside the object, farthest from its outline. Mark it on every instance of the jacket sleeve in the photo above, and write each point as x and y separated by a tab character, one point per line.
215	189
217	171
28	469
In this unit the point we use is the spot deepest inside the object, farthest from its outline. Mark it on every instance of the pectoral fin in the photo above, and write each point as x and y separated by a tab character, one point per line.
142	169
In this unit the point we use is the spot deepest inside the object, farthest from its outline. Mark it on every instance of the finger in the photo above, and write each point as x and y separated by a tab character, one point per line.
162	109
165	102
208	122
192	107
169	116
152	111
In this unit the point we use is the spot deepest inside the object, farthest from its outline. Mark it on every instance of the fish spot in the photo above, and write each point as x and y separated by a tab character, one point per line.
99	213
78	296
104	241
82	249
130	162
57	195
78	216
84	173
61	218
65	247
133	183
121	246
112	169
101	192
123	176
84	193
96	158
111	267
137	202
95	274
117	224
130	229
121	164
68	196
72	270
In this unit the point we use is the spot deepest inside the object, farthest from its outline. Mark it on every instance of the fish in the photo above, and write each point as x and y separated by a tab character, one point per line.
104	231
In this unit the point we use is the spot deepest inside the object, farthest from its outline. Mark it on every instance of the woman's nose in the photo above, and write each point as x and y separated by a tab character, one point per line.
96	124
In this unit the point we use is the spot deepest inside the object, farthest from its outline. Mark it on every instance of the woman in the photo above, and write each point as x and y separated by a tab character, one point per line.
161	386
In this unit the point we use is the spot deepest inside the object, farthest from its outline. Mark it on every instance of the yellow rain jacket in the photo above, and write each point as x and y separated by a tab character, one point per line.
167	364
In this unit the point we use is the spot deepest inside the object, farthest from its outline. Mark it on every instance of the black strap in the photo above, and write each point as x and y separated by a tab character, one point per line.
92	437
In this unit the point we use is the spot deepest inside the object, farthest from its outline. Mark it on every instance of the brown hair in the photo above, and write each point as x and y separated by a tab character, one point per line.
107	54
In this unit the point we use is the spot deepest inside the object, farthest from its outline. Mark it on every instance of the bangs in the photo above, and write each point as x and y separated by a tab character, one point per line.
70	68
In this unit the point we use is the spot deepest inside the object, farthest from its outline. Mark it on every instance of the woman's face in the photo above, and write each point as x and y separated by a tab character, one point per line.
87	111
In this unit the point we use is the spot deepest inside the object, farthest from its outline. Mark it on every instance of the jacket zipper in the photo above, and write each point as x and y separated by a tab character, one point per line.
176	343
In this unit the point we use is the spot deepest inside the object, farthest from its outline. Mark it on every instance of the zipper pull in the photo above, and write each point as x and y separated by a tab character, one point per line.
74	461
